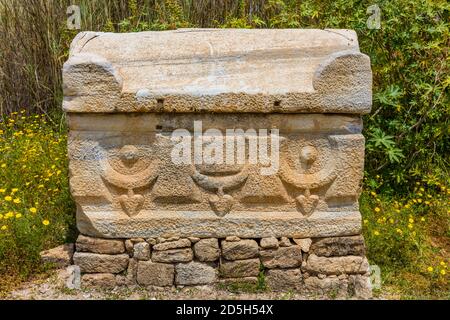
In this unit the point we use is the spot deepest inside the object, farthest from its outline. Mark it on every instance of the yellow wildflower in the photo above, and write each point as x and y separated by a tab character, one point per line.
422	219
8	198
45	222
4	227
442	263
18	216
3	165
377	209
411	220
14	190
430	269
410	226
443	272
376	233
33	210
2	190
17	200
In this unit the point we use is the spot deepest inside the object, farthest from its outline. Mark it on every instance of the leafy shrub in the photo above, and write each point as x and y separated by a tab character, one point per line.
36	211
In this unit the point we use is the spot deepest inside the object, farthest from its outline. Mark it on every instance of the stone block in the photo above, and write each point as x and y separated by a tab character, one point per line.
337	265
98	280
100	263
207	249
283	257
98	245
239	268
167	245
173	255
238	250
60	256
195	273
155	274
141	251
284	279
339	246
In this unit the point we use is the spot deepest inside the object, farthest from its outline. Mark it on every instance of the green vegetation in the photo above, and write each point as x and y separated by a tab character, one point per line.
407	132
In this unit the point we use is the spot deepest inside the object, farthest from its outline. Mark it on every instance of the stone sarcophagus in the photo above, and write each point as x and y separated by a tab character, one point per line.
209	134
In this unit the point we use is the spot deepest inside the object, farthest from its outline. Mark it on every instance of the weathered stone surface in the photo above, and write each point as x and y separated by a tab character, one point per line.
284	279
240	281
207	249
195	273
173	255
194	239
141	251
166	245
339	246
239	268
285	242
305	244
98	245
336	265
360	286
100	263
131	272
313	85
61	256
155	274
232	238
96	280
151	241
269	243
129	247
238	250
331	68
284	257
333	287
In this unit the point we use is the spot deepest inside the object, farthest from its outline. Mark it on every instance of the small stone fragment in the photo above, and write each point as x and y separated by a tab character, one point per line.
285	242
141	251
194	239
269	243
304	244
232	238
129	247
207	249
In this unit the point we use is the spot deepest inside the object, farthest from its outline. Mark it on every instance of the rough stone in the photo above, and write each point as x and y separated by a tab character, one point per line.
285	242
98	245
339	246
269	243
239	268
305	244
166	245
232	238
195	273
333	287
141	251
100	263
284	279
239	250
207	249
129	247
360	286
245	281
132	272
155	274
173	255
61	256
151	241
284	257
98	280
194	239
336	265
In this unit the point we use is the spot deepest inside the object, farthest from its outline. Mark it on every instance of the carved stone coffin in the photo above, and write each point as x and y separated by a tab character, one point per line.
126	94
